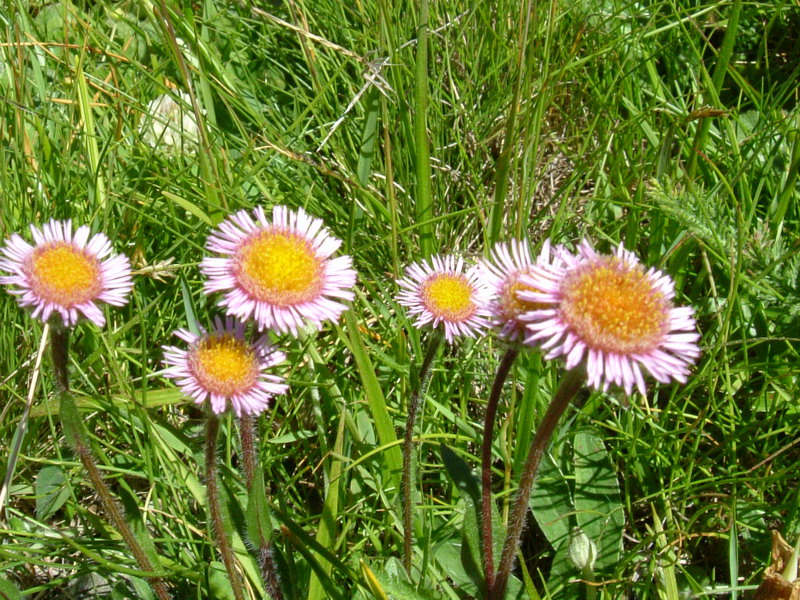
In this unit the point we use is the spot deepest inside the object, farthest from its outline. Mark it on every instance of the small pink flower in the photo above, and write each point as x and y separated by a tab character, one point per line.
222	365
613	314
279	273
443	292
65	273
502	271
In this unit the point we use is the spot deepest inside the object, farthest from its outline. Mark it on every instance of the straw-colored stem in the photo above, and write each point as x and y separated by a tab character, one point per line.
19	435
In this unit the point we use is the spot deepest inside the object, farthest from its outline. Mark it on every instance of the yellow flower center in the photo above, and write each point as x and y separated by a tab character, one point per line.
224	365
279	267
63	274
612	306
448	297
511	305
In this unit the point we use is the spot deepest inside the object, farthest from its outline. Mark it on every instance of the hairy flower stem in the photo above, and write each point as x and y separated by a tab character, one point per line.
249	457
269	573
115	515
75	436
266	562
214	508
572	382
408	444
59	349
486	463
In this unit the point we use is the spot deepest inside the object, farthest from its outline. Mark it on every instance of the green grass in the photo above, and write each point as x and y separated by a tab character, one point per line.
586	120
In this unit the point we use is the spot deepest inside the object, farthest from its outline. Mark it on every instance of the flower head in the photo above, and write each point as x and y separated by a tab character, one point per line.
442	291
615	315
65	273
280	273
502	271
222	365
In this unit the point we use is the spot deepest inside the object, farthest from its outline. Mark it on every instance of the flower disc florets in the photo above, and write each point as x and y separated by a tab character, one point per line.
443	291
221	365
613	314
65	273
280	273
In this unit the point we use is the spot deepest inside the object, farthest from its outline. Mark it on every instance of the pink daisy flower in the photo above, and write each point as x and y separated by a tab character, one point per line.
279	273
502	271
443	292
65	273
613	314
222	365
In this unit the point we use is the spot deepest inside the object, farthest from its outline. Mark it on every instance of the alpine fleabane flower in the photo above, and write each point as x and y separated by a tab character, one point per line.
221	365
444	291
65	273
502	271
280	273
615	315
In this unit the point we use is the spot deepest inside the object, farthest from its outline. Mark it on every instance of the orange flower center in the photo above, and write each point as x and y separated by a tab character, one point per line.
448	297
511	305
63	274
224	365
613	307
279	267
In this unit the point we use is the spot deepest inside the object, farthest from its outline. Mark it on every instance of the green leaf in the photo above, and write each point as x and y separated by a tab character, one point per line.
551	501
51	491
189	207
188	306
471	533
71	421
376	401
218	583
368	137
599	511
561	582
326	534
8	591
259	525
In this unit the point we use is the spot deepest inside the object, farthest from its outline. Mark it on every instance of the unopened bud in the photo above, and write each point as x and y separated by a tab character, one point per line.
582	551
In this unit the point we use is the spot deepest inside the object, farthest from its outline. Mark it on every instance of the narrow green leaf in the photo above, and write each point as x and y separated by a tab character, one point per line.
259	525
368	137
8	591
97	181
377	403
422	153
326	534
667	582
71	421
188	207
188	306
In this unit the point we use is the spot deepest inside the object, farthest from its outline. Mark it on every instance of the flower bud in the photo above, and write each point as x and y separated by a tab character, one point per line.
582	551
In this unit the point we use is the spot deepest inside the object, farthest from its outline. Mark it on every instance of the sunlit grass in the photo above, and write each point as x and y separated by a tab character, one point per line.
313	105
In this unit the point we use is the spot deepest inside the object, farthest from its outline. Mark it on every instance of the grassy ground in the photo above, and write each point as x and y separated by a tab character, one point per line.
668	125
